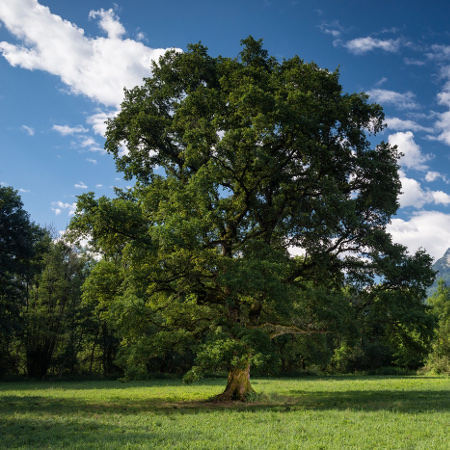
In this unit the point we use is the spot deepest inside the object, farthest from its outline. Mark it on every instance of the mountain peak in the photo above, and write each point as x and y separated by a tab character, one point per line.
445	260
442	266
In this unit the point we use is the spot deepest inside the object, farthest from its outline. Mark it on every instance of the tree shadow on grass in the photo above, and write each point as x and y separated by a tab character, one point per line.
412	401
78	433
405	401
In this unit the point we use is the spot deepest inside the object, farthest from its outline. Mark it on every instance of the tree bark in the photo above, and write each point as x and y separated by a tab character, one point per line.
238	386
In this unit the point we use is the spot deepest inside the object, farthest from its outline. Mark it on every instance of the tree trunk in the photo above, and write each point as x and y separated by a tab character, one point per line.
238	386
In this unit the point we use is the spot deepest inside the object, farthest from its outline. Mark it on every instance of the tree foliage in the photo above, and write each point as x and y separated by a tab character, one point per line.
439	358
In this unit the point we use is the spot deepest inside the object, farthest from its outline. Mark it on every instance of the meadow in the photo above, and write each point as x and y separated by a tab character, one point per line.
320	413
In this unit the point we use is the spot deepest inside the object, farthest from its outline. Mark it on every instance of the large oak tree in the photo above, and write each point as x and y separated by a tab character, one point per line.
237	164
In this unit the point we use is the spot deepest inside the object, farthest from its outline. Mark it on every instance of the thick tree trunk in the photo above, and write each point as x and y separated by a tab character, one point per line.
238	386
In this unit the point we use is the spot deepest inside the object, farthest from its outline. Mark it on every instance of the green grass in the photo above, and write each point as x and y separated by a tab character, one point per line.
334	412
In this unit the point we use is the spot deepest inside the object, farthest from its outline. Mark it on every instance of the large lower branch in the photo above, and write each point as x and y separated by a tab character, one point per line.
280	330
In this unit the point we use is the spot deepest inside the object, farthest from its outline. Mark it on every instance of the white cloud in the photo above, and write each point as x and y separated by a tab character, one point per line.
404	100
412	156
443	125
99	185
88	142
414	195
80	185
140	36
431	176
444	98
334	28
427	229
366	44
66	130
23	191
396	123
440	197
97	67
381	81
439	51
108	22
413	62
91	144
58	207
28	130
92	161
98	121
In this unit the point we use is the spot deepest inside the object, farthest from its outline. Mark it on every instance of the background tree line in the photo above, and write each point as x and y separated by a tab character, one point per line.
61	315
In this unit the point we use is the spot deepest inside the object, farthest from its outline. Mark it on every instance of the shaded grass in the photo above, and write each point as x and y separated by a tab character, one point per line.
340	412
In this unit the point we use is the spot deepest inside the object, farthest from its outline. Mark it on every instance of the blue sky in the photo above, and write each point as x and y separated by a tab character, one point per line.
63	65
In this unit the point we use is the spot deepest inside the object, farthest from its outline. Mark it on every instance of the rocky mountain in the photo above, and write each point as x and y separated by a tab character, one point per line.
442	265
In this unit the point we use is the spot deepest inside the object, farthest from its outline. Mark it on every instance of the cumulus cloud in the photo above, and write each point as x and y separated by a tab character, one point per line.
89	142
66	130
362	45
440	197
108	22
28	130
427	229
396	123
412	157
432	175
98	120
97	67
92	161
404	100
58	207
80	185
414	195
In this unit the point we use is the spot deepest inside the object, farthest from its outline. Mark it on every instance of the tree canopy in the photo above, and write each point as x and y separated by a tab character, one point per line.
238	164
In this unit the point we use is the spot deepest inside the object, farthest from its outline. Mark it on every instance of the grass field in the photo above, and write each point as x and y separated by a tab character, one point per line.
335	412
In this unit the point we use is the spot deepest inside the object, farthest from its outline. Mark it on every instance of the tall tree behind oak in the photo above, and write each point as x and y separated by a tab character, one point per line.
53	319
236	161
22	244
